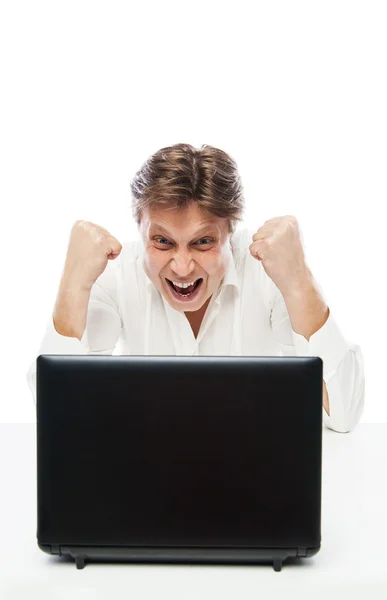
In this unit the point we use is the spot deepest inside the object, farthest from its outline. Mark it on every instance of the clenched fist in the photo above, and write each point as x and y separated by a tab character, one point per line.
89	249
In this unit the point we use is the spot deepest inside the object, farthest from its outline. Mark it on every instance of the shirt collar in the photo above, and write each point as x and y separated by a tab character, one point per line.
230	277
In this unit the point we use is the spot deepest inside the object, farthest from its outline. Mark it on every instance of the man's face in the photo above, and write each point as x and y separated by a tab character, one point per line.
184	246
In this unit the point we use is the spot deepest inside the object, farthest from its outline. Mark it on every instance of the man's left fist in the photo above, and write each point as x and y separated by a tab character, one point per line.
277	244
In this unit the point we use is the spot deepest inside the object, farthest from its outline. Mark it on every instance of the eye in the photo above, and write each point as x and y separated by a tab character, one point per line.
159	241
205	239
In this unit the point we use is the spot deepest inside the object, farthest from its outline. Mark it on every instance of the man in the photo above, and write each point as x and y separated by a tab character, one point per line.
194	284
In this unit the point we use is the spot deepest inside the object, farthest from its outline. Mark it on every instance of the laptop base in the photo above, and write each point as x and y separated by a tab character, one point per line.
274	556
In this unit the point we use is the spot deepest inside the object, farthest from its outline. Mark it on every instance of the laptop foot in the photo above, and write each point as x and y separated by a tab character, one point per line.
277	564
80	562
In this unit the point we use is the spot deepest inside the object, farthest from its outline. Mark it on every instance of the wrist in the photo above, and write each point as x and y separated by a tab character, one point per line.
298	284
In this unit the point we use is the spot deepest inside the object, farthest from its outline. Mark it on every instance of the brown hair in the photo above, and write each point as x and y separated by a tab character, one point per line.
177	175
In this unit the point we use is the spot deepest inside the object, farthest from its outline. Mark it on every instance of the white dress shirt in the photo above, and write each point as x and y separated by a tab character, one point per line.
247	316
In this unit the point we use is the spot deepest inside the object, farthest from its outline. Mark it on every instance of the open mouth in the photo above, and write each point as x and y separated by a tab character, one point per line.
188	293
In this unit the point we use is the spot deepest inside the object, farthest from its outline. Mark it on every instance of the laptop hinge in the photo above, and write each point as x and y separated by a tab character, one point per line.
301	551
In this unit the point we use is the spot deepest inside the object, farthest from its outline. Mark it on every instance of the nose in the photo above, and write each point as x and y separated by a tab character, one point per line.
182	264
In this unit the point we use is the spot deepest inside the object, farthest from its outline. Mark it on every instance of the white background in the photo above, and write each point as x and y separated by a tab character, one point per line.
294	91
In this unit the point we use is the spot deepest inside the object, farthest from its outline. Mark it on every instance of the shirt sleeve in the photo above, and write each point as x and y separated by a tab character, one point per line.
103	326
343	365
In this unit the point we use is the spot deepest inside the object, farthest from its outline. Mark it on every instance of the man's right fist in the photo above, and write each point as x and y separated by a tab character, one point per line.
90	247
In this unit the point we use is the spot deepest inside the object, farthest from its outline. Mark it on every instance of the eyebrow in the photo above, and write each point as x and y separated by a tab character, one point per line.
208	228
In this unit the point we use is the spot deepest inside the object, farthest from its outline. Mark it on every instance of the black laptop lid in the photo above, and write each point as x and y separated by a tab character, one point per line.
179	450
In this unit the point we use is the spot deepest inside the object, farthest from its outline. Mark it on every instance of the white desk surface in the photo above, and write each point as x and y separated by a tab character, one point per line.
352	559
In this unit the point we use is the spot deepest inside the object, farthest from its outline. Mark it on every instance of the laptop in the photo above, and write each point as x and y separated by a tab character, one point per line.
179	459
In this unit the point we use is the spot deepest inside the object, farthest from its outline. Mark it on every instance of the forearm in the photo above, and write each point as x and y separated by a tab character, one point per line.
70	311
307	312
